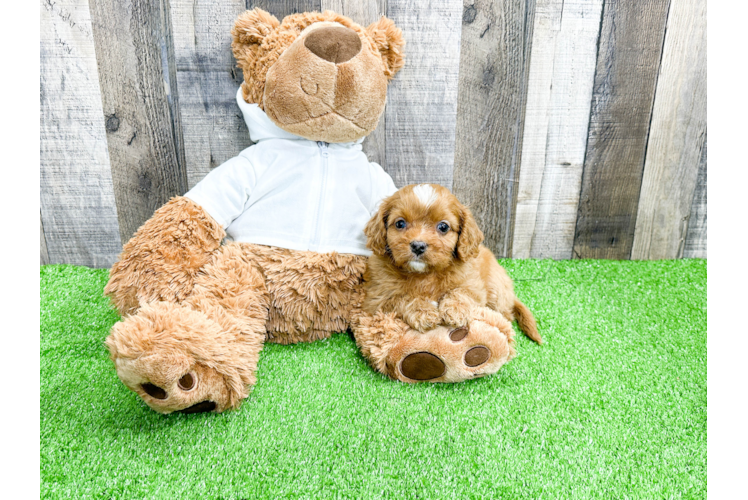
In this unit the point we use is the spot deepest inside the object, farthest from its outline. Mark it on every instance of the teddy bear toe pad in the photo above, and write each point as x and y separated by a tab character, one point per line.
422	366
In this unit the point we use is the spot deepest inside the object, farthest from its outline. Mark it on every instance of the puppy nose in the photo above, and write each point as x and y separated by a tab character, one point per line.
336	44
418	247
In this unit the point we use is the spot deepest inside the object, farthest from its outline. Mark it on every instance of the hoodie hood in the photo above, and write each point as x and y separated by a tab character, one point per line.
262	128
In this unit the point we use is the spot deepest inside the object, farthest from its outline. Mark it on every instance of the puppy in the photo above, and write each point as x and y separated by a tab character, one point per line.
429	266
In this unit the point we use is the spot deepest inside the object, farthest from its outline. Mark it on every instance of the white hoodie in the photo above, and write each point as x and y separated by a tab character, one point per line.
290	192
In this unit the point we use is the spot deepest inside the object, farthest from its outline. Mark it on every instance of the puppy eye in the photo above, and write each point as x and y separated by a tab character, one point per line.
443	227
400	224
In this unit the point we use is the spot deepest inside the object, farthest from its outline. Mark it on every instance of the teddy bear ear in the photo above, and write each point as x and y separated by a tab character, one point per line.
251	27
389	41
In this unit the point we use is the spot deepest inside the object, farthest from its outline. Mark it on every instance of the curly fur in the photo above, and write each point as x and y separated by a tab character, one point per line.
453	274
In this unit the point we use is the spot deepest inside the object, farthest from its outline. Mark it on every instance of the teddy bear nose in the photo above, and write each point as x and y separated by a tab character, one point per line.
336	44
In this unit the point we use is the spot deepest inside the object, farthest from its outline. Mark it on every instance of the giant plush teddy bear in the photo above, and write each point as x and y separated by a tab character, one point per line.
270	247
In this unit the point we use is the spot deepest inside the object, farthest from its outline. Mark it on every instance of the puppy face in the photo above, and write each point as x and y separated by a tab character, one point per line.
423	228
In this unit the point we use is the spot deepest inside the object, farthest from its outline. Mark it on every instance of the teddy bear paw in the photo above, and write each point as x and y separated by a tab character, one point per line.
160	355
447	354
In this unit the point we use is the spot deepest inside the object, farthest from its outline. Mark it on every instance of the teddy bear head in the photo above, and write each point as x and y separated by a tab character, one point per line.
317	75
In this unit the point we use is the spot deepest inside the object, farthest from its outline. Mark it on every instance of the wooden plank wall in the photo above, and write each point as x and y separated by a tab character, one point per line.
496	39
573	129
677	136
558	113
78	214
141	106
628	60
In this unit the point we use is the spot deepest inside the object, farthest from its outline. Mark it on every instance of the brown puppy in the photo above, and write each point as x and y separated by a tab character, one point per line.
429	266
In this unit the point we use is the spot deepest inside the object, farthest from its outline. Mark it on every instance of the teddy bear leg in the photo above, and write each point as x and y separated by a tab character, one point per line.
200	355
438	355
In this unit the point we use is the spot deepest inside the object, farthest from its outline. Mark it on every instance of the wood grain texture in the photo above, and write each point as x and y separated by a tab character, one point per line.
676	138
695	245
513	186
43	253
365	12
283	8
208	78
628	60
422	108
136	72
490	108
557	117
78	215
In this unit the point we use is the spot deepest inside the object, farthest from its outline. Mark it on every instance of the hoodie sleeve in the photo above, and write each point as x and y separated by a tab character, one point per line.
224	192
382	186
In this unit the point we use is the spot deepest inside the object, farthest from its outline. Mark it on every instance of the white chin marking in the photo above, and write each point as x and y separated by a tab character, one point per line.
417	266
425	194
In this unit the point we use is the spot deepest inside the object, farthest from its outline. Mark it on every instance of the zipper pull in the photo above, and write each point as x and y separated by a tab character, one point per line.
323	147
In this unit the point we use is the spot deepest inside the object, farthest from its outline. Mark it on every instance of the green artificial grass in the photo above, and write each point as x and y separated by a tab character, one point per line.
612	406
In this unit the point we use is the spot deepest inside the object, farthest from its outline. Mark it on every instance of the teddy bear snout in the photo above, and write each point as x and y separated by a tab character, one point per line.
336	44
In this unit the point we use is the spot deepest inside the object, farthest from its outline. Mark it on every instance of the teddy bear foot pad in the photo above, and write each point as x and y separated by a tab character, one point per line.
450	355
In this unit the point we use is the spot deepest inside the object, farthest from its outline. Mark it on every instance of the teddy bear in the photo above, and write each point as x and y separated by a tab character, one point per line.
269	246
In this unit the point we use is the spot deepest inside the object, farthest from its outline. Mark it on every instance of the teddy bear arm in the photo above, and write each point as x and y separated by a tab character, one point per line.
162	259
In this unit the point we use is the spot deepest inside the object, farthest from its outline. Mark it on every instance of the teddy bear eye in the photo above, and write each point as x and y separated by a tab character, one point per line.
443	227
400	224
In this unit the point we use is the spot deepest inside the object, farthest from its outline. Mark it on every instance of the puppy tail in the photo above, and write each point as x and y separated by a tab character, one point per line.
526	321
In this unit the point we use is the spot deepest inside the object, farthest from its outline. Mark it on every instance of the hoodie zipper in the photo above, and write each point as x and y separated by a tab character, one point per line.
323	149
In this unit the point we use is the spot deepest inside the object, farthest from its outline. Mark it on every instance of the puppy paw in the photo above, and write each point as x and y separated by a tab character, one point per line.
422	315
454	312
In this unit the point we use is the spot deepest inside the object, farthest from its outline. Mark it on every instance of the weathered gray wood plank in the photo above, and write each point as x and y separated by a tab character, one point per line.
628	60
490	108
513	186
557	117
422	109
676	138
208	78
43	253
283	8
78	215
365	12
695	246
136	72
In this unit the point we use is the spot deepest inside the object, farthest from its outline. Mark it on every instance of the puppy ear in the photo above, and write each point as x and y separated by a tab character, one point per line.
470	236
249	30
389	41
376	229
